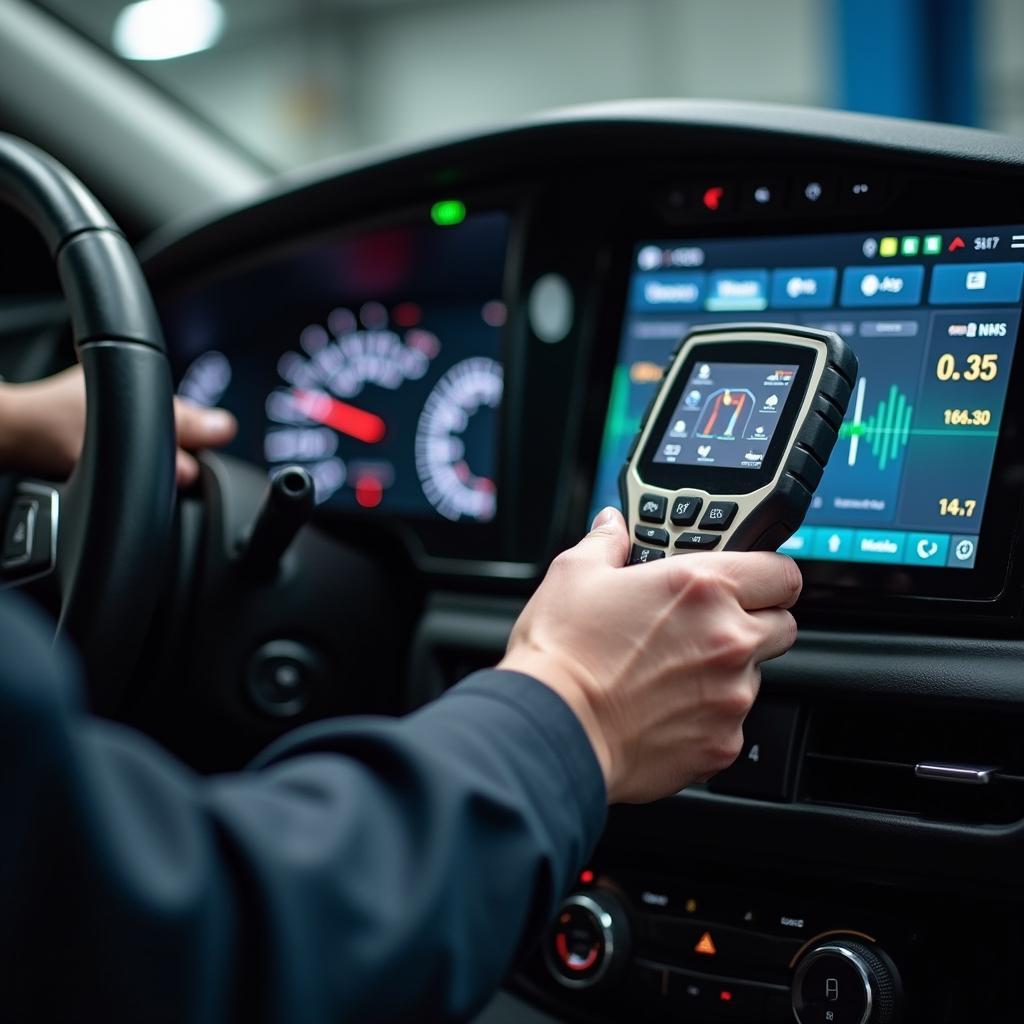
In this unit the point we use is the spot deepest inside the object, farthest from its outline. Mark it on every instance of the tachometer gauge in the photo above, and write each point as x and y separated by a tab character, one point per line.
445	447
338	404
206	379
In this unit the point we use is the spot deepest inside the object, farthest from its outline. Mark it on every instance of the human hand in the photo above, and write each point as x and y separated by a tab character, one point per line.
660	662
42	426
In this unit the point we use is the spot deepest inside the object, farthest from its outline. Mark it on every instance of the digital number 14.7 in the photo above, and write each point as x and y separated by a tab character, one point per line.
957	507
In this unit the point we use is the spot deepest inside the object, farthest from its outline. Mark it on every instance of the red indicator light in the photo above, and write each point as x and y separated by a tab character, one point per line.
712	198
957	243
406	314
725	995
494	313
369	491
587	876
574	961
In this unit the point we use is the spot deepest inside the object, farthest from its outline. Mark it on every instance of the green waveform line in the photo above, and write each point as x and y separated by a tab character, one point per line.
620	424
887	430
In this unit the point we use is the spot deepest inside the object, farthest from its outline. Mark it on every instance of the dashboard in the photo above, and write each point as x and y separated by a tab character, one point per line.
375	356
459	343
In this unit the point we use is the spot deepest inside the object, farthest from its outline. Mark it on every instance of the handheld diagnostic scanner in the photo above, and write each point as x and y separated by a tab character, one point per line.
736	438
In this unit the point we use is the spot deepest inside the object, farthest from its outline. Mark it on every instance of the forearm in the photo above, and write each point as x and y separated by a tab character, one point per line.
457	830
371	870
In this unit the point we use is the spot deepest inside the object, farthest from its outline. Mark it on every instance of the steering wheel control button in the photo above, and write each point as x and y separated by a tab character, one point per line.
18	537
652	508
281	677
640	554
764	767
685	510
697	541
652	535
719	515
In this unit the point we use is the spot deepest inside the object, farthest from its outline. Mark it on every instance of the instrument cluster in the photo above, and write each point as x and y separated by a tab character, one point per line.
372	359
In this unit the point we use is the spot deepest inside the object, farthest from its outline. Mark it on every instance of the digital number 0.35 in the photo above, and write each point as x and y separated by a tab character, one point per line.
980	366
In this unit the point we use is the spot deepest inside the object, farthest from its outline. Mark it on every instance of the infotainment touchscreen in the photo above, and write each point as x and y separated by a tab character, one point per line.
933	319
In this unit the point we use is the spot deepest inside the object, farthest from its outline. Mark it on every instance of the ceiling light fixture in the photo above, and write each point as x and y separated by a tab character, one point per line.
164	29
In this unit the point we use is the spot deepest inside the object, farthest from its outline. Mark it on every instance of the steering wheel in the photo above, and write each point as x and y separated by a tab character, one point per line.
104	536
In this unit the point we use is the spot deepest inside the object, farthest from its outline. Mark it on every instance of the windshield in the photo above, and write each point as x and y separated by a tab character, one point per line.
299	80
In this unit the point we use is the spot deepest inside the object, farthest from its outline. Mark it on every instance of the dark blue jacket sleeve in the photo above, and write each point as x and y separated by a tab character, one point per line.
366	869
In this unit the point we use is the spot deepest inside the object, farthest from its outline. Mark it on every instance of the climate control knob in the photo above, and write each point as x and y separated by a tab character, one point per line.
589	942
842	981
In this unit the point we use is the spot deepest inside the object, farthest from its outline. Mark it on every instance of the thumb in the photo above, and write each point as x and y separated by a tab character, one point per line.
199	427
608	540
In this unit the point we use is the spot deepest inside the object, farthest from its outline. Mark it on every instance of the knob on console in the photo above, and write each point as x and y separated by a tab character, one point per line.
589	942
846	982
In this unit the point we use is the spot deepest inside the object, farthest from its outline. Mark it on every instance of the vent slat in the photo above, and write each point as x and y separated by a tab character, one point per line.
863	758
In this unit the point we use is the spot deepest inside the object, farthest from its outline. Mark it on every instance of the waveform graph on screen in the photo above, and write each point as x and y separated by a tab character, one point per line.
884	433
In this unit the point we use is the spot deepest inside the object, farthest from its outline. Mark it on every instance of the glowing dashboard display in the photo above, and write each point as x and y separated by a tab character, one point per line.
372	359
933	317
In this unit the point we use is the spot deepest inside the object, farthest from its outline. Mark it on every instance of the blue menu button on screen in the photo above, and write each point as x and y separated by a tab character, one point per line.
833	544
668	292
882	286
970	283
737	290
801	543
927	548
878	546
963	551
800	288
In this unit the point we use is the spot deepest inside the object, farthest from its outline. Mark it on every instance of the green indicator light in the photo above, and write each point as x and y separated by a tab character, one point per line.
447	212
911	245
932	245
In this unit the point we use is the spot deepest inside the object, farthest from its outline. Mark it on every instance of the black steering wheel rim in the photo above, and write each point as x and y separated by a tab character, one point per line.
114	527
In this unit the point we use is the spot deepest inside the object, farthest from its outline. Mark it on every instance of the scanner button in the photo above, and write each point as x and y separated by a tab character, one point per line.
652	535
697	541
685	509
719	515
652	508
640	554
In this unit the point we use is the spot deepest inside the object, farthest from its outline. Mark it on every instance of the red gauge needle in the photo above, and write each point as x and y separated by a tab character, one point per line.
340	416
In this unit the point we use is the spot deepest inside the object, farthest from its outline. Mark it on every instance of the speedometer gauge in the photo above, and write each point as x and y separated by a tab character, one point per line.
446	450
337	404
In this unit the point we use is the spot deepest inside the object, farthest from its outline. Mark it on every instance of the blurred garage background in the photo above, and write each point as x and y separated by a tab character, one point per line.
294	81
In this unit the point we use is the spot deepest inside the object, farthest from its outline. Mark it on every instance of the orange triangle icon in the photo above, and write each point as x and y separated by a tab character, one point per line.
706	946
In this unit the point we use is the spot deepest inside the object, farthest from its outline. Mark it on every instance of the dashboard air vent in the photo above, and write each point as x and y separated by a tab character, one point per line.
943	765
